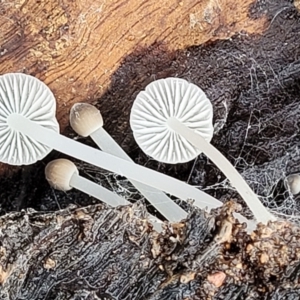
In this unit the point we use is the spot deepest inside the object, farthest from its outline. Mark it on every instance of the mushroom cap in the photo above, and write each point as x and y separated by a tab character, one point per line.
161	100
25	95
59	173
85	119
292	182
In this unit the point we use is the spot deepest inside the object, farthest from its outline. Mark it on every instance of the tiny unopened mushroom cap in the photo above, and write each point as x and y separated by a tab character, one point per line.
85	119
164	99
59	173
293	183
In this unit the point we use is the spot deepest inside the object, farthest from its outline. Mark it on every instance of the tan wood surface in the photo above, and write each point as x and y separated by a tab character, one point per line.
75	46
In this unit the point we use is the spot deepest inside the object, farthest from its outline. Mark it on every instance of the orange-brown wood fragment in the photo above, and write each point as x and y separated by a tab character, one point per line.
217	279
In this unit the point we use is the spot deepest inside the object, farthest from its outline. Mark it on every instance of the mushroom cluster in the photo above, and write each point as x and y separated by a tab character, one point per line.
86	120
172	122
164	113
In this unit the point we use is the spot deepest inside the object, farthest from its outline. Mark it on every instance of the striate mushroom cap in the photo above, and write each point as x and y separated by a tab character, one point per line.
164	99
27	96
85	119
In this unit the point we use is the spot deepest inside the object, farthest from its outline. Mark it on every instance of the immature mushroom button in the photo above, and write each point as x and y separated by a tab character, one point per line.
86	120
63	175
293	183
172	122
59	173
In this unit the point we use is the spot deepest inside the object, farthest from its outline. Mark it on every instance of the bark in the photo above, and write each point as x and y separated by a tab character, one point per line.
76	46
246	58
102	253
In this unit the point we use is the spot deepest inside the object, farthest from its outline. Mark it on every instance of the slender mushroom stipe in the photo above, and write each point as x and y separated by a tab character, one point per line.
171	118
62	174
86	120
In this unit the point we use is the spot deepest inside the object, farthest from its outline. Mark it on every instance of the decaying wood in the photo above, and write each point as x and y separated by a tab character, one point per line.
75	46
102	253
107	51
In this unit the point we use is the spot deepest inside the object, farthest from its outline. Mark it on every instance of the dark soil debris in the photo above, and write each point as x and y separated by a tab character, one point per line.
102	253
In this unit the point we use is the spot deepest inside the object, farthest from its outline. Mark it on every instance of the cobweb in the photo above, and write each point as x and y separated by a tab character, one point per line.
257	117
113	182
270	149
268	181
265	174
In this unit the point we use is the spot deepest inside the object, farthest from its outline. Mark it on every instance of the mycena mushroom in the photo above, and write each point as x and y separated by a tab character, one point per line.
27	120
63	175
26	97
86	120
172	122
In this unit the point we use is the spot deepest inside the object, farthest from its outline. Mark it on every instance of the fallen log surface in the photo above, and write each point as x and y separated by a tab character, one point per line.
102	253
246	58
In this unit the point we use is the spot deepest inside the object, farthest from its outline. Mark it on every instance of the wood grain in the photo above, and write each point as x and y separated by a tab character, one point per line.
75	46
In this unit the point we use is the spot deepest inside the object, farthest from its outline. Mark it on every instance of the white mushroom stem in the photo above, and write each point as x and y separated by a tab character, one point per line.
260	212
111	163
114	164
97	191
62	174
158	199
86	120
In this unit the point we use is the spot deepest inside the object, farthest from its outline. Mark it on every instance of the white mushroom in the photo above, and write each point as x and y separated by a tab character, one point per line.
172	122
16	90
86	120
28	97
62	174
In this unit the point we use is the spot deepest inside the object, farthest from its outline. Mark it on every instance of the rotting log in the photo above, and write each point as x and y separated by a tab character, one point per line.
251	80
102	253
75	46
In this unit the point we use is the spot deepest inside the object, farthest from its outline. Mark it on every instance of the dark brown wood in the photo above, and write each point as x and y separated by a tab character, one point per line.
102	253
